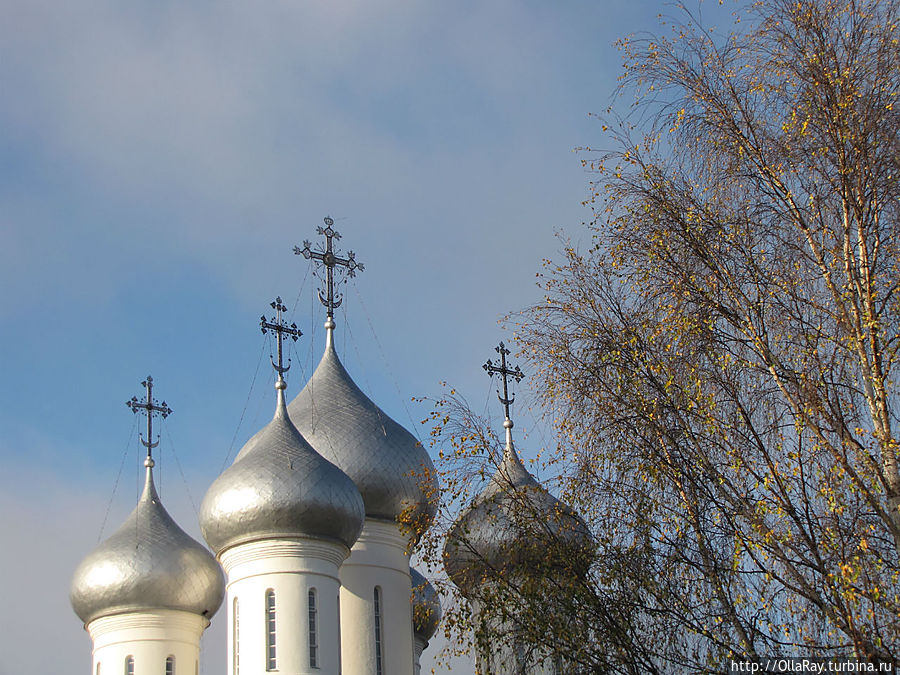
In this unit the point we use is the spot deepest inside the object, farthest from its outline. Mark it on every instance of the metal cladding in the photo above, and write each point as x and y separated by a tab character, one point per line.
514	524
426	606
390	467
279	487
149	563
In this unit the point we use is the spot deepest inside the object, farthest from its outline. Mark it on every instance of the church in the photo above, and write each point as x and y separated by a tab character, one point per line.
311	529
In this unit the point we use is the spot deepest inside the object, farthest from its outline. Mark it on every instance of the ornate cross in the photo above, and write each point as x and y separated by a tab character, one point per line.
329	258
517	374
150	405
280	328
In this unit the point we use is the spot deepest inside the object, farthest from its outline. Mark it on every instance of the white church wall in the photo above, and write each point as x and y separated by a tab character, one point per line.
149	638
378	559
419	646
289	568
501	652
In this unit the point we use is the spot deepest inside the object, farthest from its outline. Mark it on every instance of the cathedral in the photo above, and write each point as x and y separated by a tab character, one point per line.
311	528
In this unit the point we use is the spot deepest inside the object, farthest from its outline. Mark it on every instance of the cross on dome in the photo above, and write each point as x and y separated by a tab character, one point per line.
280	328
506	372
149	406
329	258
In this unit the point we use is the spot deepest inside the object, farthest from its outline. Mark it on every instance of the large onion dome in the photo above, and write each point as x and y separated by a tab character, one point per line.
279	487
390	467
147	564
514	525
426	607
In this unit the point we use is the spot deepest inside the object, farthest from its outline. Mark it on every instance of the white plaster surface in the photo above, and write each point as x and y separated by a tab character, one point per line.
150	637
378	558
290	568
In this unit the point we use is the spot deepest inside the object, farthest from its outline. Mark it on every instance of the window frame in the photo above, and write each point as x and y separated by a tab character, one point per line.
271	635
312	634
235	637
379	631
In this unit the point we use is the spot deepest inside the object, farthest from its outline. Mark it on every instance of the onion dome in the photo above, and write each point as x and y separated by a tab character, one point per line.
279	487
147	564
390	467
514	525
426	607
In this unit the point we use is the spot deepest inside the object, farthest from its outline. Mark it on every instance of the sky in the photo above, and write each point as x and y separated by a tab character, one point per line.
159	161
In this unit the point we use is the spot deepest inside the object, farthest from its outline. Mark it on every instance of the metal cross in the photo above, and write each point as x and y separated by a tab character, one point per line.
280	328
149	406
517	374
329	258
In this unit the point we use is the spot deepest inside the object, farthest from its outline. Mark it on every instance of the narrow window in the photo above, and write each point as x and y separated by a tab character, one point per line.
129	665
170	665
313	631
271	663
379	661
98	668
235	639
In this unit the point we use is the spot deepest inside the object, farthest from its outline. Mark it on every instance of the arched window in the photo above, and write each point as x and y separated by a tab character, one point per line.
170	665
271	663
129	665
313	630
98	668
235	639
379	659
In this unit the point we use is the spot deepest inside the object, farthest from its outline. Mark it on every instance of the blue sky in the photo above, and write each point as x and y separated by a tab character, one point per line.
158	162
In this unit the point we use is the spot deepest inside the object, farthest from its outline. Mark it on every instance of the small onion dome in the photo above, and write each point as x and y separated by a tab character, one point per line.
390	467
514	524
279	487
426	607
149	563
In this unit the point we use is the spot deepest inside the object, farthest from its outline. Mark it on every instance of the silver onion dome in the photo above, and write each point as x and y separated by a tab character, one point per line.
148	563
390	467
514	524
426	606
279	486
